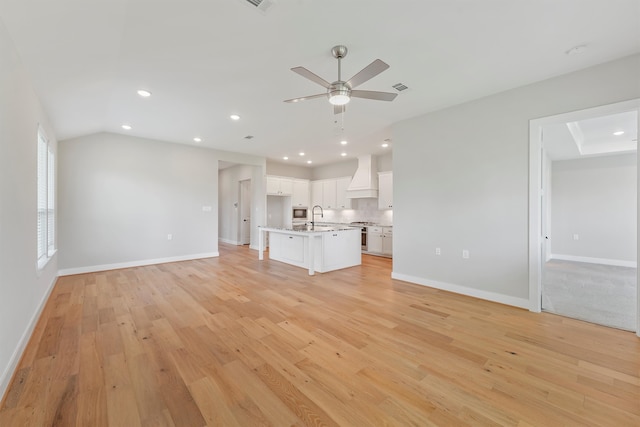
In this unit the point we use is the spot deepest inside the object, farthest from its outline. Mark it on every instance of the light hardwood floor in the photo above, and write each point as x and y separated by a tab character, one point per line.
232	341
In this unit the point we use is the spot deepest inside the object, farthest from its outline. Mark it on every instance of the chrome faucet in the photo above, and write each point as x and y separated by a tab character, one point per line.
313	215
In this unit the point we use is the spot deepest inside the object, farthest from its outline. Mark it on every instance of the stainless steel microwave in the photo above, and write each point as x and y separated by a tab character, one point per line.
299	213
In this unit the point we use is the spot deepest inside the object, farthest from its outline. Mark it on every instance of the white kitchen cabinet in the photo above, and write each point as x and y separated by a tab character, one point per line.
331	193
300	193
380	240
288	248
374	239
279	186
339	250
316	193
385	190
387	241
342	202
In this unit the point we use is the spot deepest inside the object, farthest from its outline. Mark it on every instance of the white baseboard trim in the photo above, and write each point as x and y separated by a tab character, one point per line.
7	375
229	241
603	261
463	290
139	263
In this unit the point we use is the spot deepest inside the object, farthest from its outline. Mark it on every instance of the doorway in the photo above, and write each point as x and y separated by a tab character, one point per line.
583	221
244	212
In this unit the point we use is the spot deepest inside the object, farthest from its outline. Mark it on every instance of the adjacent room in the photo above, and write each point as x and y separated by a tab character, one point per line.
305	212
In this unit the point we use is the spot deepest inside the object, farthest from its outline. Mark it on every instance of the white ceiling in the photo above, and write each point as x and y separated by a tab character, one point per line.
592	136
206	59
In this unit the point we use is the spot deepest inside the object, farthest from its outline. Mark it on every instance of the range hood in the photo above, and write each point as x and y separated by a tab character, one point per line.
365	181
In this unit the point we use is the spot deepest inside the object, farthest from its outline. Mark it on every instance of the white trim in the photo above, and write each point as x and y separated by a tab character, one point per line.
463	290
140	263
590	260
229	241
8	373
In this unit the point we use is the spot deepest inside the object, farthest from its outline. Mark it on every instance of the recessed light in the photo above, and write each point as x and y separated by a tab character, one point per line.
197	139
144	93
126	127
618	133
301	153
385	145
343	142
309	161
576	50
343	154
285	158
234	117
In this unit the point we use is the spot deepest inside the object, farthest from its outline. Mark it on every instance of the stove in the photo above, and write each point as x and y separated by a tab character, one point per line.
363	234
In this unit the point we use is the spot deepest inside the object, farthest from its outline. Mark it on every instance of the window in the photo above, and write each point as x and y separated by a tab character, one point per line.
46	200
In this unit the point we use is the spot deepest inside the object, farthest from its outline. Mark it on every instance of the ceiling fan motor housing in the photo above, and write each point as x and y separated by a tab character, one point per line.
339	93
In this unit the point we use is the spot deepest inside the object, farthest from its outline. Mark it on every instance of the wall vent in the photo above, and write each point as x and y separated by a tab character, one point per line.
262	5
400	87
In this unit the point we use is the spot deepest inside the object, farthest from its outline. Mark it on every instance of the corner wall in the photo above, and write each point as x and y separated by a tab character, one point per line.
120	197
23	289
461	182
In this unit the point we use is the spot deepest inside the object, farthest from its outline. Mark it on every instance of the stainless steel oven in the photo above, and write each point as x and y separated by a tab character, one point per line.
363	234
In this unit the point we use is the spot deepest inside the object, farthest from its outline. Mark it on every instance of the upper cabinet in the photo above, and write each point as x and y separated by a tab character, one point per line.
331	193
300	195
341	193
385	190
280	186
298	189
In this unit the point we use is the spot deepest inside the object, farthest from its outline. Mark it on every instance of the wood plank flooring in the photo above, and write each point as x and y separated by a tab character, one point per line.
232	341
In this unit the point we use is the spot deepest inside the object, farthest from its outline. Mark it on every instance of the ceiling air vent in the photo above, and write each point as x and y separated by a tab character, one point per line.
261	5
400	87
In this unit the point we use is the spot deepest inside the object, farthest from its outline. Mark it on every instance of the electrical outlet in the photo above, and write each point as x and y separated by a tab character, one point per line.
206	209
169	236
576	236
438	251
465	253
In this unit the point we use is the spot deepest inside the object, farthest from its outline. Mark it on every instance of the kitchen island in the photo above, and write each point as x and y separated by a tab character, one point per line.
319	248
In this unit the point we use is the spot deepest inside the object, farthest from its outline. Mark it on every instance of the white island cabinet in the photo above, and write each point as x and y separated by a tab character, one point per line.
320	248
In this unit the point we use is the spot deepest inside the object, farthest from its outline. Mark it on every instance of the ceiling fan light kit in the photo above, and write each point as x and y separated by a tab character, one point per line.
340	92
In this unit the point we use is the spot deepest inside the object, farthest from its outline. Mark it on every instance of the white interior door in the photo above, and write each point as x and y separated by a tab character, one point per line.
245	212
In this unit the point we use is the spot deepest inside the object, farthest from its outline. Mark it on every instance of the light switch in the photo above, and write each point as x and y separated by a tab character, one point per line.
465	253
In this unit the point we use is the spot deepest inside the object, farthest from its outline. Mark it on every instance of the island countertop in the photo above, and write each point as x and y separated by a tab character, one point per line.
310	228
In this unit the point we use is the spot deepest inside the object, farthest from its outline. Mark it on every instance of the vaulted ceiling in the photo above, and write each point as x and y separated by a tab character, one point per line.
204	60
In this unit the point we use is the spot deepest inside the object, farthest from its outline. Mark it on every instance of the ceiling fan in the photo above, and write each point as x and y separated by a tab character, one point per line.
340	91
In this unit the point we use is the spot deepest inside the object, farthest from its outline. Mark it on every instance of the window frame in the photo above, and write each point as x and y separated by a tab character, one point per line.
45	200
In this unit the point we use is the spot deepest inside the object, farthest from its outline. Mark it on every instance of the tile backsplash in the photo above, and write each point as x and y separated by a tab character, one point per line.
363	210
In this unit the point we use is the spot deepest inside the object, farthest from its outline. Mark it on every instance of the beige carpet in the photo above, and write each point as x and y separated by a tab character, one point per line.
596	293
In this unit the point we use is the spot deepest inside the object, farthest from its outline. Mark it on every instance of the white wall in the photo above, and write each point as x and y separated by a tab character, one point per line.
120	196
595	198
229	195
23	290
461	182
283	169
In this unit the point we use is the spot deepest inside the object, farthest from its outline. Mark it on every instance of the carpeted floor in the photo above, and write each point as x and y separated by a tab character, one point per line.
595	293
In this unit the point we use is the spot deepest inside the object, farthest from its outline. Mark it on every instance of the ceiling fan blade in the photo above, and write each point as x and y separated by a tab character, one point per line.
368	72
304	98
311	76
371	94
339	109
